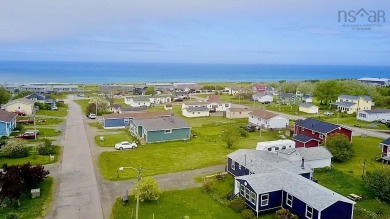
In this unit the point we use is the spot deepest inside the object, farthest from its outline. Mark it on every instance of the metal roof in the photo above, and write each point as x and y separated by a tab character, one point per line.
137	115
344	104
303	138
377	111
314	153
386	141
22	100
307	105
197	109
263	114
317	125
162	123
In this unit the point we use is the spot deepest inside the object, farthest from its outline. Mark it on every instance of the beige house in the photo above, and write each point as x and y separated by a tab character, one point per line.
237	113
196	112
308	108
20	105
351	104
168	106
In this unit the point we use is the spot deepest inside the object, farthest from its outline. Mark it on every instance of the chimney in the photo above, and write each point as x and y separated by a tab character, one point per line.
303	163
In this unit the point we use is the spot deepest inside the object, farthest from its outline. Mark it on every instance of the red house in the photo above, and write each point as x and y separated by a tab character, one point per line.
318	130
305	141
259	88
385	145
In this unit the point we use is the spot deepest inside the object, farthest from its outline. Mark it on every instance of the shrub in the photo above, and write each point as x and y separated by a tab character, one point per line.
148	189
11	216
207	185
340	147
378	181
18	127
243	133
237	204
247	214
15	148
46	148
285	214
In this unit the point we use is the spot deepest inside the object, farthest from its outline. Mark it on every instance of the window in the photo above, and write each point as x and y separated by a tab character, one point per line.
269	149
276	148
239	166
309	212
168	131
240	113
233	165
321	136
198	112
284	147
253	198
302	129
247	193
289	200
312	132
264	200
226	105
242	189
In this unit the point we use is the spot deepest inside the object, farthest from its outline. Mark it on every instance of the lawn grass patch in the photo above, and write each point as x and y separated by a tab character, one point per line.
34	159
83	104
33	208
61	112
96	125
205	150
112	139
47	132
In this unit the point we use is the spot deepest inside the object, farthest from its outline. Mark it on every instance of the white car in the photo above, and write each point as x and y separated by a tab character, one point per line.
92	116
125	145
327	113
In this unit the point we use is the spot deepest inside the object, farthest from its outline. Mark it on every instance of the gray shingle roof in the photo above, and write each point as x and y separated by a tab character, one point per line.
306	105
387	141
197	109
344	96
164	123
303	138
22	100
317	125
314	153
377	111
344	104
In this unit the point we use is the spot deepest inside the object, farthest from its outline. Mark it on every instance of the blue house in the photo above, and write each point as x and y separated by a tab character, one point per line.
120	121
269	186
7	123
160	129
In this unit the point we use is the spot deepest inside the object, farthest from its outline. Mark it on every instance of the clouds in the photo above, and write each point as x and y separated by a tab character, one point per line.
184	30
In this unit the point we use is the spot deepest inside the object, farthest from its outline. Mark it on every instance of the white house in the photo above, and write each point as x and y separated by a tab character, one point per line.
315	157
237	113
137	101
275	146
232	90
185	105
20	105
267	119
160	99
218	106
351	104
196	112
308	108
307	98
381	115
263	98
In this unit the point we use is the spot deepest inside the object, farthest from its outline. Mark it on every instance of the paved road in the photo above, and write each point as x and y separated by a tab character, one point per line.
78	194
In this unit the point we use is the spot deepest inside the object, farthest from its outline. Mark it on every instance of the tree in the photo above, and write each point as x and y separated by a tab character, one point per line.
289	87
306	88
5	95
340	147
231	136
15	148
327	91
32	175
46	148
378	181
150	91
148	189
388	125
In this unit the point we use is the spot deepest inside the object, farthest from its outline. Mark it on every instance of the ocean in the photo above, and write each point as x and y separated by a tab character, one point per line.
104	73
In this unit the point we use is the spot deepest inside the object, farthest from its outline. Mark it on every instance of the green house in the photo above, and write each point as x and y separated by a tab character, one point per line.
160	129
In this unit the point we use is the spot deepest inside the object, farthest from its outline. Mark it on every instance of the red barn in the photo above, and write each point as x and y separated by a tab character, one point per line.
319	130
305	141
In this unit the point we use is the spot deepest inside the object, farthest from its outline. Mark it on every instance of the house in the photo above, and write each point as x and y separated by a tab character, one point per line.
7	123
139	89
259	88
305	141
307	98
213	106
186	86
381	115
20	105
238	113
263	98
268	181
194	111
351	104
385	156
41	98
315	157
185	105
120	121
267	119
160	99
275	146
137	101
319	130
308	108
289	99
181	95
271	91
160	129
232	90
376	81
168	106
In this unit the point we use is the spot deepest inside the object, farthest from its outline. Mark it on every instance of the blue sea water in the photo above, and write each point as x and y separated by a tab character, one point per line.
103	72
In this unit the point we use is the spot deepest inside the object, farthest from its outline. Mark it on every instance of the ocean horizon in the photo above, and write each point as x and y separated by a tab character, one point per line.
119	72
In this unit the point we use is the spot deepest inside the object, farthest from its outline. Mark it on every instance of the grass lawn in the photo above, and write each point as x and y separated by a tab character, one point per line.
112	139
351	121
32	208
83	104
46	132
61	112
33	159
41	121
205	150
96	125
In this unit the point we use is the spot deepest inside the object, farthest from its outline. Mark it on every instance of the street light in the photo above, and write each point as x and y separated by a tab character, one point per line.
139	170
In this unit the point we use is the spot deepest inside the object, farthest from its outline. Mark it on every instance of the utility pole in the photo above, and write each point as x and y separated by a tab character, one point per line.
139	170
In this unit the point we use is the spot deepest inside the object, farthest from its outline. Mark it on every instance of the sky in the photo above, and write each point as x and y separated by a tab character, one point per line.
195	31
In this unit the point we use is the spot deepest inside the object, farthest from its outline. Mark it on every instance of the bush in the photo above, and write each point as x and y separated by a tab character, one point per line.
207	185
378	181
148	189
340	147
15	148
46	148
247	214
243	133
18	127
237	204
11	216
285	214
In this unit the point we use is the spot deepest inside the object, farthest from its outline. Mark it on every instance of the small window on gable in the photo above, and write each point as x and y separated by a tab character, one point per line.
233	165
284	147
167	131
309	212
289	200
269	149
321	136
302	129
264	200
312	132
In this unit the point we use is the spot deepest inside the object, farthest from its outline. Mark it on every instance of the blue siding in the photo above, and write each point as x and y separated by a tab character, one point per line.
306	175
247	201
112	123
6	128
274	201
161	136
340	210
298	207
237	170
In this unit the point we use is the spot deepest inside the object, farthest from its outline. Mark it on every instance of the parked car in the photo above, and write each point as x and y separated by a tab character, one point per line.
384	121
92	116
20	113
125	145
249	128
27	135
327	113
25	121
54	108
266	102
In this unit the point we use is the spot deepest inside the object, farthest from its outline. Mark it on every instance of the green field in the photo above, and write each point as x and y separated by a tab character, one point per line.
96	125
41	121
112	139
205	150
33	159
83	104
32	208
61	112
